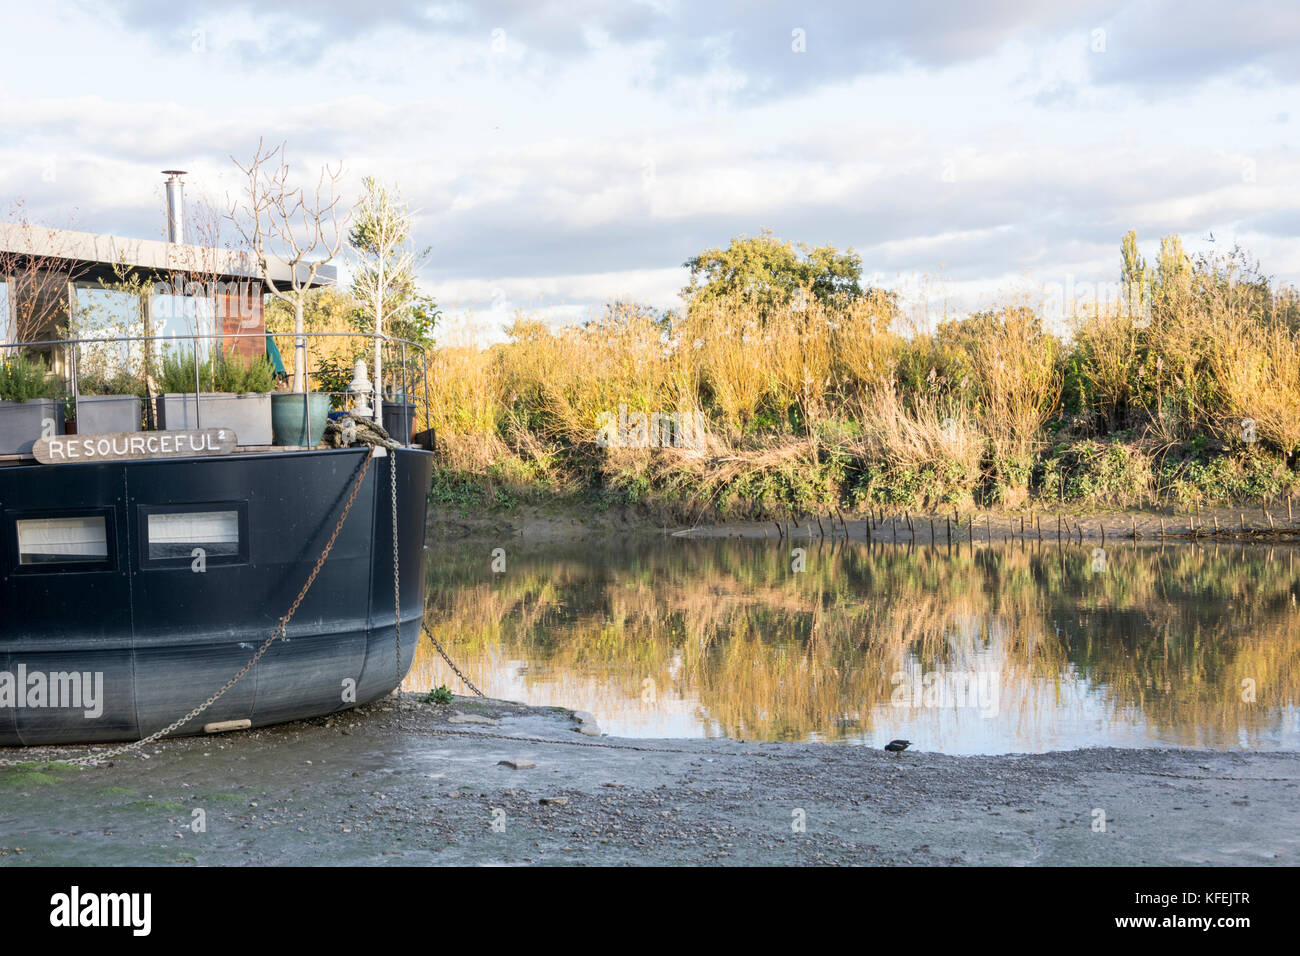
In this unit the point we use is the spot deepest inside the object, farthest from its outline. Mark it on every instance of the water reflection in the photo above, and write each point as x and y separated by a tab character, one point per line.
984	650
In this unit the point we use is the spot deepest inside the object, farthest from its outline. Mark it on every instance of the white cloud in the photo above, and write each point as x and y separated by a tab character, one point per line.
600	146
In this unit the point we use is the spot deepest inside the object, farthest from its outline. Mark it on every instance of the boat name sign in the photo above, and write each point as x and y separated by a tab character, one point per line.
61	449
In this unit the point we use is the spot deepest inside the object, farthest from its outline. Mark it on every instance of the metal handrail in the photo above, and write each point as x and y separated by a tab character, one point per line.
196	337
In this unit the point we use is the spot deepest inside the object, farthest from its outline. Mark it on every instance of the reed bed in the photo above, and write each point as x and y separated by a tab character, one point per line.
820	405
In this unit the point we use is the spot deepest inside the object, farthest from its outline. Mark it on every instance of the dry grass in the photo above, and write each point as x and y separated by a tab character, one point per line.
795	400
1257	376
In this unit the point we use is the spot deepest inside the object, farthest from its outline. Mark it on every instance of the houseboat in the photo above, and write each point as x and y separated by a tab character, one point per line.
141	568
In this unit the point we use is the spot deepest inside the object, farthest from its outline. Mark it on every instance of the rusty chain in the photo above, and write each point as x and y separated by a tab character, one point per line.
397	588
452	664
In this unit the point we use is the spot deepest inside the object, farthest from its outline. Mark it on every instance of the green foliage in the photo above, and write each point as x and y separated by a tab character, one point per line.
119	382
1095	471
333	375
931	484
235	373
226	373
1207	477
23	378
178	372
765	272
438	695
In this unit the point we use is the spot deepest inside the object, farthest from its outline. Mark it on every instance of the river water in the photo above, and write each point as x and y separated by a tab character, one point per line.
976	650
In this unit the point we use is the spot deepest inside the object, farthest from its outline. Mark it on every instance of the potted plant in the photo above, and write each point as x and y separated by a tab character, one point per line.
239	400
298	418
108	403
31	406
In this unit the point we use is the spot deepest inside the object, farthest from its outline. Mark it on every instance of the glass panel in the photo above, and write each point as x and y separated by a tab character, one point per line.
106	314
177	534
62	540
175	315
6	320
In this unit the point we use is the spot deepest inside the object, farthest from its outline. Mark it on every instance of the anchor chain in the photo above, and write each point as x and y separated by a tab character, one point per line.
397	589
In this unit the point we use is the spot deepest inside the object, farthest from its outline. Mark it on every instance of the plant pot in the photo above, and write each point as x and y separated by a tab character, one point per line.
23	423
247	415
293	412
399	421
107	414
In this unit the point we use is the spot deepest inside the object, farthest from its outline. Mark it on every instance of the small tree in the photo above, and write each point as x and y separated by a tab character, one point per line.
37	274
383	278
276	221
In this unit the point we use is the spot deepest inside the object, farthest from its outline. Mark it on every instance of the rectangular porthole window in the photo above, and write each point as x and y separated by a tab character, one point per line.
80	540
170	536
176	535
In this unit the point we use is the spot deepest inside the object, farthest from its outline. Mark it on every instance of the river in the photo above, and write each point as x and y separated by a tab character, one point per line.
1016	648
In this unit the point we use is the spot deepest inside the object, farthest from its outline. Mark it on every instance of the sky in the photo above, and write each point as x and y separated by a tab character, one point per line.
561	155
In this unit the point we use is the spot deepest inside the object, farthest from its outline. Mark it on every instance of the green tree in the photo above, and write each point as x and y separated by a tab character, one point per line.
768	273
1133	273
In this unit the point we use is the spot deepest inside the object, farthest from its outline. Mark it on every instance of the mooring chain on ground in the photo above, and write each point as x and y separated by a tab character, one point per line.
101	756
397	587
452	664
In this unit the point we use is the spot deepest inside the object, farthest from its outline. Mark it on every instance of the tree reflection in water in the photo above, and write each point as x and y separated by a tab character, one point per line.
1153	647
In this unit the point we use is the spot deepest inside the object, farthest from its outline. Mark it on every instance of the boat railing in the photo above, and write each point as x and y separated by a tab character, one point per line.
404	369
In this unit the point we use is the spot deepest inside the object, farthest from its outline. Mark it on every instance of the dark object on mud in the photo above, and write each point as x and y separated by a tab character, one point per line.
897	746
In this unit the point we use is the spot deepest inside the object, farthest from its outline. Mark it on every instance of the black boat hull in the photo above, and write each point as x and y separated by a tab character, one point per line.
161	637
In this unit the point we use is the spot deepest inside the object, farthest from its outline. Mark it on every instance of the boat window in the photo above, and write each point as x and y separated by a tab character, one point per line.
72	540
171	534
177	535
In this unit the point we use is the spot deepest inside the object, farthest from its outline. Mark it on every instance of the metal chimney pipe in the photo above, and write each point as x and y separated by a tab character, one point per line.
175	205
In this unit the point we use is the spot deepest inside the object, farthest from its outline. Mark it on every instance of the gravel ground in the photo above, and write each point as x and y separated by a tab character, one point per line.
413	783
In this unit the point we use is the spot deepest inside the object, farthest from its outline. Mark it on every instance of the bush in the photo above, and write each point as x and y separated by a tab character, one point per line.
23	378
227	373
121	382
1096	471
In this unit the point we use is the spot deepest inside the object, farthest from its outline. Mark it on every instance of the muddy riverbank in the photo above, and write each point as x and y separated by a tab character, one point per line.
1256	523
408	782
